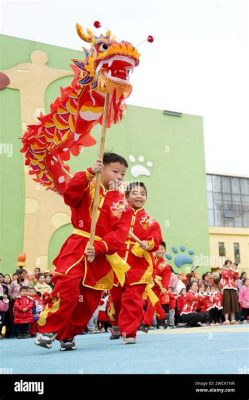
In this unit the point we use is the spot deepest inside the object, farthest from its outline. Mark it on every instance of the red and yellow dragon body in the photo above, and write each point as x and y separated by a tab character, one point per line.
66	129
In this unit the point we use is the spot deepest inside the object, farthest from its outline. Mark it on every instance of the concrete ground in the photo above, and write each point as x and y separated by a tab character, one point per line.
204	350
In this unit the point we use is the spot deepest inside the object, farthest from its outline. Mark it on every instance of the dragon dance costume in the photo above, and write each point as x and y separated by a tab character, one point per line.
47	145
79	283
128	300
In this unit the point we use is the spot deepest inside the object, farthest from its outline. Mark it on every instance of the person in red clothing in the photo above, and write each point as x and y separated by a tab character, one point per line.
23	315
128	300
37	309
172	306
161	279
180	305
228	282
103	319
189	314
214	306
83	272
4	307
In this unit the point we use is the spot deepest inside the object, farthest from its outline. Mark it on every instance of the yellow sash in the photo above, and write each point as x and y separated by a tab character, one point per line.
119	266
139	252
147	276
158	280
151	295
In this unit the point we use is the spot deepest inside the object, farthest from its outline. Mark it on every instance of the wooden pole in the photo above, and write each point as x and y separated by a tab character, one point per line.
66	172
135	238
98	176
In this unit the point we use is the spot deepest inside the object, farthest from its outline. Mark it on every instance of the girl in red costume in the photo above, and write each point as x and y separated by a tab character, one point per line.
128	300
83	272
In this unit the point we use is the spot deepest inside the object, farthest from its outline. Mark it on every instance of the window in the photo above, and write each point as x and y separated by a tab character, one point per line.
222	250
236	200
217	183
236	253
244	186
229	213
211	217
228	198
238	222
235	185
210	200
227	201
229	222
217	201
226	188
209	183
219	217
246	219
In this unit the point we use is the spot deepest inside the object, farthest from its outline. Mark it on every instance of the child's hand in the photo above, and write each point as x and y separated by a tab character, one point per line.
90	252
98	166
144	245
25	309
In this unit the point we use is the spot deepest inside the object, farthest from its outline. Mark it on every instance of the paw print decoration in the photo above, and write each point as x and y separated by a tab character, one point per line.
182	258
139	166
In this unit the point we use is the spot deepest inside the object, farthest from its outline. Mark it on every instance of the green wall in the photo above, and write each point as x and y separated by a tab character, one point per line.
15	51
174	144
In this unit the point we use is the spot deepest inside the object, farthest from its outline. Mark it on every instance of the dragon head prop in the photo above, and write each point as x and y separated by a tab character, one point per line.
67	128
107	63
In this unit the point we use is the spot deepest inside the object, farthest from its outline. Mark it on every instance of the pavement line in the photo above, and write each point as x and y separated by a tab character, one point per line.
234	349
186	331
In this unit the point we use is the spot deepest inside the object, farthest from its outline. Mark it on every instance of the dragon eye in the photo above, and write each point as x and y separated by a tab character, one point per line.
103	47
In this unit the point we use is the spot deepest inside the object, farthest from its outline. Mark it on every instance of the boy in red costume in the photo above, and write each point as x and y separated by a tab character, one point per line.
128	300
83	272
161	278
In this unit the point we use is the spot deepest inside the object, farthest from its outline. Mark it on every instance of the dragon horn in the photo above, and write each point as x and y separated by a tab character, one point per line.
108	33
89	37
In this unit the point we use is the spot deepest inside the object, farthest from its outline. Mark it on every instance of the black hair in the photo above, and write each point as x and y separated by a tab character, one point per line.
113	157
204	275
228	261
24	288
163	244
133	185
20	271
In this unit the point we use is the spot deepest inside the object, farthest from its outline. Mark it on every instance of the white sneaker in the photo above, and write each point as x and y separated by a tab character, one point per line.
129	340
68	344
45	340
